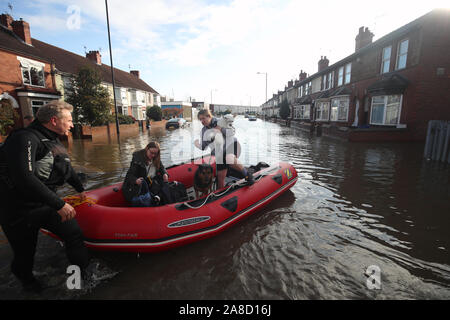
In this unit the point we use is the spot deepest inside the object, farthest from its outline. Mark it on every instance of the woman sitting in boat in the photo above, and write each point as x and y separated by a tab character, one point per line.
145	177
230	151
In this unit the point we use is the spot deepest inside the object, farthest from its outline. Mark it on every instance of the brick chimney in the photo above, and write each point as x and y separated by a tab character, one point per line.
22	30
302	76
94	56
6	20
363	38
323	63
135	73
290	83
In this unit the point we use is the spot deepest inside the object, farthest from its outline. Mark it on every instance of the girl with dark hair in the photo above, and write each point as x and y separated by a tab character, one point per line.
145	177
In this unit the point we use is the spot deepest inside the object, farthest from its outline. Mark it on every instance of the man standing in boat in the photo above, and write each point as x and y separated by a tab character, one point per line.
33	163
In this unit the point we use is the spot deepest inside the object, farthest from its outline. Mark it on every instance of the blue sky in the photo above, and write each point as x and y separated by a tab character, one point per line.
192	48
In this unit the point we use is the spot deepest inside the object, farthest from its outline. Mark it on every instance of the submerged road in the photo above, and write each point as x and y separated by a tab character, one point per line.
356	208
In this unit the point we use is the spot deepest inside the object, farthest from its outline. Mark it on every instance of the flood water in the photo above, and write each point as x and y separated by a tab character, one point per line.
355	205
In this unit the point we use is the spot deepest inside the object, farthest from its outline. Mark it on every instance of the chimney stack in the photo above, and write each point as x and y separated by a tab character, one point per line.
323	63
6	20
302	76
135	73
363	38
22	30
94	56
290	83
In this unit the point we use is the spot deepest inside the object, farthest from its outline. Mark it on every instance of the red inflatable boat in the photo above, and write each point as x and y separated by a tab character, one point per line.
108	223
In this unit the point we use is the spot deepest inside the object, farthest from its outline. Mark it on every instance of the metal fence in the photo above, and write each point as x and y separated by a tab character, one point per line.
438	139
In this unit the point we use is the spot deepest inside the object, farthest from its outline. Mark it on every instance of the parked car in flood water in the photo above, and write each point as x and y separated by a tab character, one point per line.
176	123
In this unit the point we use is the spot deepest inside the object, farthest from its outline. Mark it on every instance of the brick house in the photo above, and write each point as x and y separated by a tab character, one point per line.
34	72
27	79
386	90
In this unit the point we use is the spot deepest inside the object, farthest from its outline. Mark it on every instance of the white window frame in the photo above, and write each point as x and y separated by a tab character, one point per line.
28	70
299	112
330	80
385	109
399	54
386	61
324	82
43	104
320	107
348	73
341	76
339	106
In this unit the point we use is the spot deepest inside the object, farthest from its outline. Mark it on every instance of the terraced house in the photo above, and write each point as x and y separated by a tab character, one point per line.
34	72
386	90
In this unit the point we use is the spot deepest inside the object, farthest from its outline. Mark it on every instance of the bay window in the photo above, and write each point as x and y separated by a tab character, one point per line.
302	112
386	110
339	109
323	111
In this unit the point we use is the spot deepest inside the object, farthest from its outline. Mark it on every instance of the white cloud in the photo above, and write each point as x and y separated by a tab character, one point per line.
194	46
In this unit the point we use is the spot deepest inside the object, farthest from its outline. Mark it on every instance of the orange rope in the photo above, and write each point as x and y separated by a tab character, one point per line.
76	200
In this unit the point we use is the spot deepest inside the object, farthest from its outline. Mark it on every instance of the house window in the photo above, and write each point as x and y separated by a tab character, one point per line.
348	72
33	76
386	59
386	110
125	110
341	76
32	72
339	109
323	111
302	112
402	53
300	92
36	104
309	87
324	82
330	80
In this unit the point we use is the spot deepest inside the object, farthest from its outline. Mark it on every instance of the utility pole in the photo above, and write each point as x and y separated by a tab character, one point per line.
112	69
266	81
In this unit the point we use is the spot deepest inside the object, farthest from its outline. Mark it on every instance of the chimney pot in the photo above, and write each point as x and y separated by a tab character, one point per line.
135	73
94	56
363	38
22	30
6	20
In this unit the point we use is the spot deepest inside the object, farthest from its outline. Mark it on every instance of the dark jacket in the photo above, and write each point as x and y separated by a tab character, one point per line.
137	170
33	162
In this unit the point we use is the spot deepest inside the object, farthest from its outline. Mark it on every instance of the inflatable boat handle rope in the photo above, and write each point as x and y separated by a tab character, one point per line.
222	193
75	201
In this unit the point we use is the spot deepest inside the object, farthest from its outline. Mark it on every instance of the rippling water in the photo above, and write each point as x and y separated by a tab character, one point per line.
354	206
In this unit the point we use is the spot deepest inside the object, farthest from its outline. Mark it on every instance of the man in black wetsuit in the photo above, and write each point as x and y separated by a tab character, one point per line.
33	163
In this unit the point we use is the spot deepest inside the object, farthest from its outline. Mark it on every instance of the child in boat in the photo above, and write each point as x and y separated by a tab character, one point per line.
145	177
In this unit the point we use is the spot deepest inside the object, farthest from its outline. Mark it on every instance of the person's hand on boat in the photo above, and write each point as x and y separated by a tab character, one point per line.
197	143
82	196
67	212
139	181
165	177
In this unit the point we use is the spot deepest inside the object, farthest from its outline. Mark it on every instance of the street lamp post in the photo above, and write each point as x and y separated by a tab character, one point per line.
265	73
112	70
266	81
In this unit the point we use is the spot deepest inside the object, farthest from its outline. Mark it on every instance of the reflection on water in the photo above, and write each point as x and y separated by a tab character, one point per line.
355	205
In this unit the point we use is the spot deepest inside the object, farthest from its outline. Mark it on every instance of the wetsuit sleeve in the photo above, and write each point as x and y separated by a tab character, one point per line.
74	181
21	151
